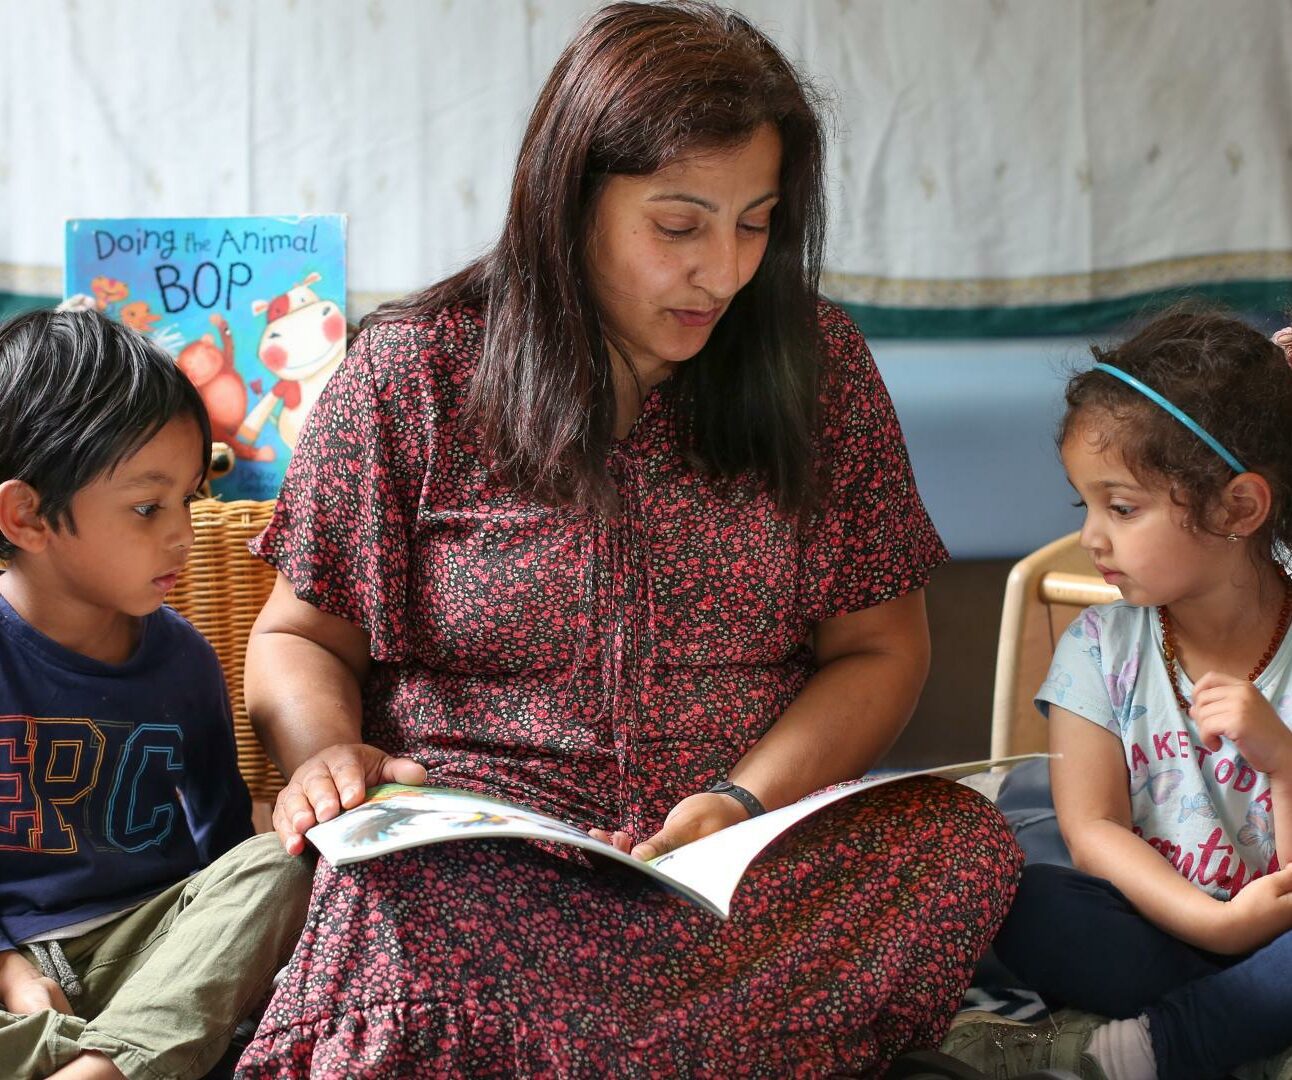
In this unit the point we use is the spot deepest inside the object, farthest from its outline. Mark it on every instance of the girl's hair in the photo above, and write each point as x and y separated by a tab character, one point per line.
80	393
1231	379
640	86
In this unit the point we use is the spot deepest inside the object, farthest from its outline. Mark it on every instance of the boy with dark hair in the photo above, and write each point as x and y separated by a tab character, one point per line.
130	942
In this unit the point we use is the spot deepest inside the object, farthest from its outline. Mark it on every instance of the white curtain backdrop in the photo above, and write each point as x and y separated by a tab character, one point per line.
985	151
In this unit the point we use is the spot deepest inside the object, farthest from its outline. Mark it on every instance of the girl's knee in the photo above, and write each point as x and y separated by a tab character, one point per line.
1039	920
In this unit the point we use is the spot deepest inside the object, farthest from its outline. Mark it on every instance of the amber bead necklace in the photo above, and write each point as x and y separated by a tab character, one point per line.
1169	650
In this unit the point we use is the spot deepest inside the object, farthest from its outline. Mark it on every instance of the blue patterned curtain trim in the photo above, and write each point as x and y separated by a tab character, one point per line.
1268	303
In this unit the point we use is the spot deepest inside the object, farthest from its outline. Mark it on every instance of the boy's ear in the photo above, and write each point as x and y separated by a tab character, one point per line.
1245	504
20	518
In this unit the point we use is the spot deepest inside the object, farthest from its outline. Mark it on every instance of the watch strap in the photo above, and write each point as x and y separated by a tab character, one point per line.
744	796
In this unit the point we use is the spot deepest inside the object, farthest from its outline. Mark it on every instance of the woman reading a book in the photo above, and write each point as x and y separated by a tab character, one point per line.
617	524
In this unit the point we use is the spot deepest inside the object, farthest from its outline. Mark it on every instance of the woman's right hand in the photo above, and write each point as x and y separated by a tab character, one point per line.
333	780
1260	912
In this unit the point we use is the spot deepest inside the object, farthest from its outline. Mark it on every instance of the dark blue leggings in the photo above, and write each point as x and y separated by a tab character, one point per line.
1077	941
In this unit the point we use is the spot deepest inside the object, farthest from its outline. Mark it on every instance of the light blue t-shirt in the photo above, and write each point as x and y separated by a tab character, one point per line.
1209	813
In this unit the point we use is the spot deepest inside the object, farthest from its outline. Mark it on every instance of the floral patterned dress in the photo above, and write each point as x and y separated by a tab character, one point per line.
600	671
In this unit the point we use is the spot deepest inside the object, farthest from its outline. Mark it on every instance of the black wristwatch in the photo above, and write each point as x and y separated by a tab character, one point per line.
744	796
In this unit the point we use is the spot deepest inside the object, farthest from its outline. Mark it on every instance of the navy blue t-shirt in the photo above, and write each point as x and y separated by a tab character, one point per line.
116	780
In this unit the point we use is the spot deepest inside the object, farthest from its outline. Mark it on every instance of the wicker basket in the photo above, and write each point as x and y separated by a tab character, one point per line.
221	591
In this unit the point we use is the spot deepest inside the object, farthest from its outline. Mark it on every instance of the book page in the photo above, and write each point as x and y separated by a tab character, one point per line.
396	817
706	872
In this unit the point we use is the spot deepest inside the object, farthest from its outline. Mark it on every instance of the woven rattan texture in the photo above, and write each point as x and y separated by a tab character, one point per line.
221	591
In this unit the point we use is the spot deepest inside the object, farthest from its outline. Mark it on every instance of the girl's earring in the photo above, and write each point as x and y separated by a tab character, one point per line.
1284	339
1233	538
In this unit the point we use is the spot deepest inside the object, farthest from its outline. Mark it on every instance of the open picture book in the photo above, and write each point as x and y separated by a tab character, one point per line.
706	871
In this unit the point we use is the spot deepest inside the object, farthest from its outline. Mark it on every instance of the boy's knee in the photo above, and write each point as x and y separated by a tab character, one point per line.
261	869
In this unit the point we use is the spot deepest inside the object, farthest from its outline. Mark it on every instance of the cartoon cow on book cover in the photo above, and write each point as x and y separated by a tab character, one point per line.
303	343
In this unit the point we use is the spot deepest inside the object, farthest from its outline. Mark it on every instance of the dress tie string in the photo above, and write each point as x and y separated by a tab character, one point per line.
618	588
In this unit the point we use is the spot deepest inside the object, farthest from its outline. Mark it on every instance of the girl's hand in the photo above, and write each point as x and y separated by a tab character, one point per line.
1232	708
333	780
694	817
1260	912
24	990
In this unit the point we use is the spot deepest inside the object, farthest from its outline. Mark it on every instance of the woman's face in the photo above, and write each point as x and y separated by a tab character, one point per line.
668	251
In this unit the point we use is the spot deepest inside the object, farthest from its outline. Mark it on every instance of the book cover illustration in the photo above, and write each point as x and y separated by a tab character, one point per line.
252	309
706	872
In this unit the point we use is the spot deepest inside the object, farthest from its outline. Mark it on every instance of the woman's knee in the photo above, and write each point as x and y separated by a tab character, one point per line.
955	830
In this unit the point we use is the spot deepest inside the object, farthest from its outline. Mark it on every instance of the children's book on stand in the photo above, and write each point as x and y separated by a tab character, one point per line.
706	871
252	308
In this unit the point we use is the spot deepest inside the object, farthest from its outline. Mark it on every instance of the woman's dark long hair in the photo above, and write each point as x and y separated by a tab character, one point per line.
640	86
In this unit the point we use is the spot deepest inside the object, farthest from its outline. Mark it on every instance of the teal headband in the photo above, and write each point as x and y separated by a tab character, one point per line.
1184	418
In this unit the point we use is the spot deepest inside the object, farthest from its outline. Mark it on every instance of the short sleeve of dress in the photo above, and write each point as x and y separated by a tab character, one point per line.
870	539
343	527
1076	680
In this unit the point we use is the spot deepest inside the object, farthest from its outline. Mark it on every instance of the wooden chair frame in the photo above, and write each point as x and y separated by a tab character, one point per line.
1044	592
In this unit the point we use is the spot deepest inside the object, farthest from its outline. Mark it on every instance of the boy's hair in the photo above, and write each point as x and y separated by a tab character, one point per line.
80	393
1230	378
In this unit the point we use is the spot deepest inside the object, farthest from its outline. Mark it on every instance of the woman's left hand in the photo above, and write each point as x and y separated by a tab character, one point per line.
1233	708
694	817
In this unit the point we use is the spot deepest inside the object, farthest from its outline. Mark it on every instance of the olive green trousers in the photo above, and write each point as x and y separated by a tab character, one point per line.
164	986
